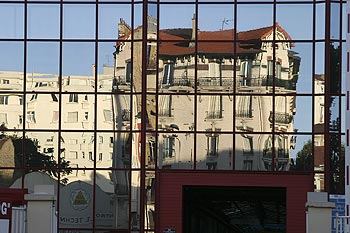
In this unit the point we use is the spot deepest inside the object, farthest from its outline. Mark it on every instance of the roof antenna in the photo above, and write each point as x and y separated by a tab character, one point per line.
225	21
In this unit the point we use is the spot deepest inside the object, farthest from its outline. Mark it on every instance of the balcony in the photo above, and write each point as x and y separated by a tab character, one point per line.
126	115
228	82
281	117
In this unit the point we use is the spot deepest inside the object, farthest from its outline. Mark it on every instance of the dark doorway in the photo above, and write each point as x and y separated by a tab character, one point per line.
211	209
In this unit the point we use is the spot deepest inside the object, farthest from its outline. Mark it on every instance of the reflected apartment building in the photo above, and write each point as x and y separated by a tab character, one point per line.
188	131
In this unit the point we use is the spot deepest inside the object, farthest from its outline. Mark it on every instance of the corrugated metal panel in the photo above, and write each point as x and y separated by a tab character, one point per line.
19	220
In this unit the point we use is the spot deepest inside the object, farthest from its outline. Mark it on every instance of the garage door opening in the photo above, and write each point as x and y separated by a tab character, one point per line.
211	209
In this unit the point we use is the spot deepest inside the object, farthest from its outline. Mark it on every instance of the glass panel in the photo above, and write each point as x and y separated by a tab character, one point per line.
124	65
135	144
334	111
169	18
319	182
38	106
344	21
78	111
106	117
134	210
321	21
302	114
214	150
109	15
176	72
78	59
105	200
43	21
11	111
303	67
76	204
216	111
283	115
106	69
121	204
79	21
336	16
301	152
123	144
152	112
297	20
12	21
175	151
319	153
253	113
262	17
138	10
335	71
337	164
78	149
175	112
215	18
11	66
151	151
150	189
42	73
320	59
282	151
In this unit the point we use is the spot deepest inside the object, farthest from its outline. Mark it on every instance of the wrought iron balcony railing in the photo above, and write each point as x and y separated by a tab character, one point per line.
281	117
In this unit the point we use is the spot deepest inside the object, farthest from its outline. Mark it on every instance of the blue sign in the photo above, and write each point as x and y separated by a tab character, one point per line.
339	209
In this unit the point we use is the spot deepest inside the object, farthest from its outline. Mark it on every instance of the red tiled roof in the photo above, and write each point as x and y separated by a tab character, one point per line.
249	41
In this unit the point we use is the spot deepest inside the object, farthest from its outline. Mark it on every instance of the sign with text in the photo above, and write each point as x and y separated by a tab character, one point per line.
339	209
5	216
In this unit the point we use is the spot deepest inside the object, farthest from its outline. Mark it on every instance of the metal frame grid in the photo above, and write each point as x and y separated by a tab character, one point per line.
330	18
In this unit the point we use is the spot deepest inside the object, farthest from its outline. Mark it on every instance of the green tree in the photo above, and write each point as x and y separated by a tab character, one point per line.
304	158
28	157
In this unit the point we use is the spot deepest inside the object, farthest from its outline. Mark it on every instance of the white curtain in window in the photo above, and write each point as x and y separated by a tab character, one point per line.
243	106
214	108
164	105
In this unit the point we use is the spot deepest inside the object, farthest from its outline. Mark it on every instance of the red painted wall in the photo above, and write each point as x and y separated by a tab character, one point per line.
169	199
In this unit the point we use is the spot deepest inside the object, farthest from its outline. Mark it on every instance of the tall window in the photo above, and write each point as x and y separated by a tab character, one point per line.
128	72
246	72
31	116
168	74
244	106
4	100
168	147
72	117
165	105
212	145
73	98
215	107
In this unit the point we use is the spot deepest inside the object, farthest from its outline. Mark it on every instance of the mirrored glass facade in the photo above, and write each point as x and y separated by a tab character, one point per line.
100	98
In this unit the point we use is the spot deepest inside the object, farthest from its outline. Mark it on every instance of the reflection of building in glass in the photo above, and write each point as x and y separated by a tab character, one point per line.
222	82
188	130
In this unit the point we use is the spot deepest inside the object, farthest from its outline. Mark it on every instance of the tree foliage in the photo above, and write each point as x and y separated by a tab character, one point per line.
31	159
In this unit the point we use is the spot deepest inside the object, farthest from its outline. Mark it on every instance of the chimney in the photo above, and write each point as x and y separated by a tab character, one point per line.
193	36
123	28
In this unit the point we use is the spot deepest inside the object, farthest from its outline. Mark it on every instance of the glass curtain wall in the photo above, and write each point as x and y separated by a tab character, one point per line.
98	97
